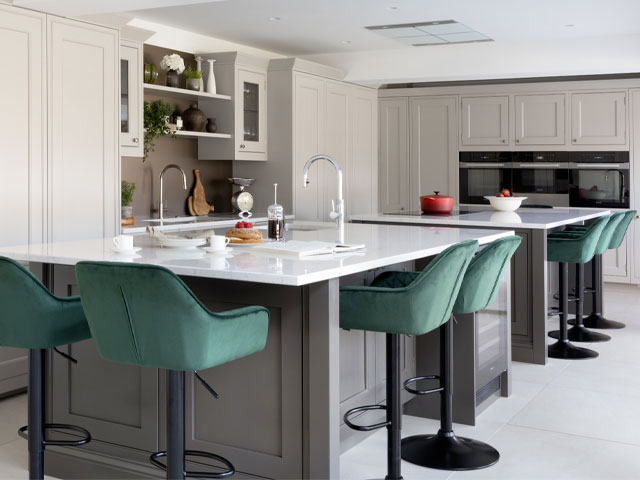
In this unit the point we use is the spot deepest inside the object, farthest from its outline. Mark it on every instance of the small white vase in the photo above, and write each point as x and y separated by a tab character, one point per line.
211	79
199	68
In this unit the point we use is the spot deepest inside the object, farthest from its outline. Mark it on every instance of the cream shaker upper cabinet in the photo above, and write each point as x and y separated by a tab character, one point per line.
485	121
598	118
131	96
244	78
540	119
84	127
433	150
23	128
393	166
337	144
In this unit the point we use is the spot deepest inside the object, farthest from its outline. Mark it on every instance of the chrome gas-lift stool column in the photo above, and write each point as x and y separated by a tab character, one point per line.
403	303
445	450
35	319
131	323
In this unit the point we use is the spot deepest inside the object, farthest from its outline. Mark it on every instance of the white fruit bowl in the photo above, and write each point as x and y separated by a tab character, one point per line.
505	204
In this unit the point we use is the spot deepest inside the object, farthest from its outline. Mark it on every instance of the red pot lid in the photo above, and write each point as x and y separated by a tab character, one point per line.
437	195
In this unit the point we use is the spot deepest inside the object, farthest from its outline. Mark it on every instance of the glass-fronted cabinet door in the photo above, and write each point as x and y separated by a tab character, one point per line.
251	115
131	117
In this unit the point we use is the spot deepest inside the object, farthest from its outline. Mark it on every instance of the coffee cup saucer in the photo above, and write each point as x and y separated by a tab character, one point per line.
126	251
209	249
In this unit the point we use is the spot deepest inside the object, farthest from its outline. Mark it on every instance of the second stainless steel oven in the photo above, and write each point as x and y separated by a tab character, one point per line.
542	177
599	179
483	173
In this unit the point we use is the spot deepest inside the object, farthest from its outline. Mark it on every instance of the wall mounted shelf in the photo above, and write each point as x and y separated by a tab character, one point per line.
187	134
181	93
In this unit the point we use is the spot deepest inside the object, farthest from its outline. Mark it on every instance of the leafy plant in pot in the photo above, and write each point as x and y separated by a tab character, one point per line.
126	198
156	123
193	78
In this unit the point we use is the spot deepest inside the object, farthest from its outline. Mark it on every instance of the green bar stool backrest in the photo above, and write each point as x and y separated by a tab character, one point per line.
32	317
408	303
621	231
145	315
482	279
607	233
576	248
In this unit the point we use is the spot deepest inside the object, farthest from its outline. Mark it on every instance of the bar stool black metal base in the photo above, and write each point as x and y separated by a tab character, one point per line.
230	469
582	335
567	351
86	436
446	451
597	321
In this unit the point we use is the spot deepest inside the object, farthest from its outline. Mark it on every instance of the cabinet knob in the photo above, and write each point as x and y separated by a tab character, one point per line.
134	140
575	140
242	145
517	140
504	141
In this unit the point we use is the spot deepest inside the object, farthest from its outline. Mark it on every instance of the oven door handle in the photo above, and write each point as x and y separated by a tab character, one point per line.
599	166
541	165
481	165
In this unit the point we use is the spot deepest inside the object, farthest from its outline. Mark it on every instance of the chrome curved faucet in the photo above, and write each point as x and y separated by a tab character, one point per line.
184	187
337	212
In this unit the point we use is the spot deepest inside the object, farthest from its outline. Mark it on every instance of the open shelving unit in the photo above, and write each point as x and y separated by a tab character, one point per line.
181	93
187	134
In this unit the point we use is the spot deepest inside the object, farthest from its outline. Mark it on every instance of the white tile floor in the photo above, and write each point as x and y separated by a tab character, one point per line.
566	420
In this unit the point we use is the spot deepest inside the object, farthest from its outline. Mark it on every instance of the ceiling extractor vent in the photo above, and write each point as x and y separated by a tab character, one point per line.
442	32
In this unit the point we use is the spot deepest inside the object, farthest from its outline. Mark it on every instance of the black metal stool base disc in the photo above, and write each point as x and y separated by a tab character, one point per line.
600	323
582	335
567	351
448	452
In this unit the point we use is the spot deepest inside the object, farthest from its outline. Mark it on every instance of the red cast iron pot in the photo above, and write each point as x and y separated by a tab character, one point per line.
436	203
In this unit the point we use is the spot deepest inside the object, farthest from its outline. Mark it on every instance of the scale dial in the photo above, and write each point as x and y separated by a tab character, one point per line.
244	201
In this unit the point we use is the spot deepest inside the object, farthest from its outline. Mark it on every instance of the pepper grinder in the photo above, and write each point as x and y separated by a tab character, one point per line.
275	216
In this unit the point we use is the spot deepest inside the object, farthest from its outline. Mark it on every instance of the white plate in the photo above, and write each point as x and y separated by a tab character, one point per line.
211	250
129	251
181	242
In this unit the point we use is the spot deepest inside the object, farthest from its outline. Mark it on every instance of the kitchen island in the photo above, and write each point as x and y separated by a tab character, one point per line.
529	276
279	411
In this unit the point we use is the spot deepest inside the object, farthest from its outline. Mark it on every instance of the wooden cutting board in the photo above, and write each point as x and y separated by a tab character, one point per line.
200	205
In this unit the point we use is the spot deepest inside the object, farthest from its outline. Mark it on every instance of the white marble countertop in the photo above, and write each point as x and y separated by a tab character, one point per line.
386	245
532	218
216	220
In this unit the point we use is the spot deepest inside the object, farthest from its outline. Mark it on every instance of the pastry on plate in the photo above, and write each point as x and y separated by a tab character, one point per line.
244	233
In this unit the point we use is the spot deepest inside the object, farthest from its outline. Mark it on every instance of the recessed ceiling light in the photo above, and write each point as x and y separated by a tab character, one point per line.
274	19
392	7
570	25
346	42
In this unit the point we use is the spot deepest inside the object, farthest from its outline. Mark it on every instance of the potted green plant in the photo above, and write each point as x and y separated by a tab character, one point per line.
193	78
126	198
156	123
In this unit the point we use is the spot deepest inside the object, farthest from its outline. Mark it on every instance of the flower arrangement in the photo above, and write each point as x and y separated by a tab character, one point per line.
172	62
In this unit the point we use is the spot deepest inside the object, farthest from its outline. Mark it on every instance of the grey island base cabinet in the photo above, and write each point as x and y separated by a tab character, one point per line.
279	415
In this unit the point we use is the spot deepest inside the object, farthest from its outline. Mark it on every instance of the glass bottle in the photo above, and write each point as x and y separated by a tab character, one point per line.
275	216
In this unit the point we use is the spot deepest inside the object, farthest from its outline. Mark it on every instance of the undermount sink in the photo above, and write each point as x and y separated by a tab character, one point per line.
176	219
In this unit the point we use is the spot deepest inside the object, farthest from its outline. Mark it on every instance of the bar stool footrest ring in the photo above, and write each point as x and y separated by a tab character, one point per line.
86	436
230	469
365	428
418	379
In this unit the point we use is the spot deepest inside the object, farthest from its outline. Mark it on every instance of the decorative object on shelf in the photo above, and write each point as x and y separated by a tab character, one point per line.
211	78
150	73
126	198
193	78
179	123
199	68
174	64
156	123
197	202
242	201
211	126
193	118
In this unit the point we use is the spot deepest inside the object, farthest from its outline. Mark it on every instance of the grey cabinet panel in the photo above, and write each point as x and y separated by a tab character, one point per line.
520	282
14	367
393	169
540	119
485	120
599	118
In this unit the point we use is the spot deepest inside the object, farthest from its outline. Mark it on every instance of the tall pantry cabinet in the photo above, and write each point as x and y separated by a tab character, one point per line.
59	130
312	111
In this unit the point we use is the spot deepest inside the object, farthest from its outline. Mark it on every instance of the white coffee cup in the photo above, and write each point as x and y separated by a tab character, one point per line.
218	242
123	242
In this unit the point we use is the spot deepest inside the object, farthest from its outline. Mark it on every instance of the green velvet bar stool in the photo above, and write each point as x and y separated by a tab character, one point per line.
34	318
579	333
578	249
595	318
145	315
403	303
445	450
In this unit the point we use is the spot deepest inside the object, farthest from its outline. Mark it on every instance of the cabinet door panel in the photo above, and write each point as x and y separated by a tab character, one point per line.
433	147
393	166
485	120
23	128
363	164
251	115
598	118
84	166
308	134
131	96
540	119
614	262
337	144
